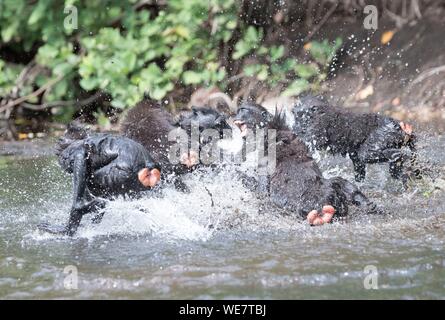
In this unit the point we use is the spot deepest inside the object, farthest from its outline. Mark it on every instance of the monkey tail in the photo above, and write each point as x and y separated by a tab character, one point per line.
74	131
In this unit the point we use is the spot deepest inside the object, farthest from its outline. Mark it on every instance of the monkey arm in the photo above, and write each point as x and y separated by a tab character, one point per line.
79	177
352	195
83	201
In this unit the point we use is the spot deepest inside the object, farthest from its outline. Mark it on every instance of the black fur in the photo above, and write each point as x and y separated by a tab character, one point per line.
206	117
149	124
103	165
365	137
297	184
75	131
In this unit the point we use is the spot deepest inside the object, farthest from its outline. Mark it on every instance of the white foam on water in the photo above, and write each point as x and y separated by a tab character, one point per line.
146	216
216	200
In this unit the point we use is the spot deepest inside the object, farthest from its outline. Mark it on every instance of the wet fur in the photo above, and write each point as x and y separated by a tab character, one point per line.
297	185
365	137
149	124
75	131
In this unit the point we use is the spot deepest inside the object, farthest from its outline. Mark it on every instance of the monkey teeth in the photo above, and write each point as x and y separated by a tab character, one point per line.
242	127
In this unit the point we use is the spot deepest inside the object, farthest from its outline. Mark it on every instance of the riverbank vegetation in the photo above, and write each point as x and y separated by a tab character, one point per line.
61	60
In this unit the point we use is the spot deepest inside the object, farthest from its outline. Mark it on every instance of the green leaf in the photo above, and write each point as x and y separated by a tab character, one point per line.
89	83
276	53
47	53
241	49
118	104
249	42
306	71
296	87
129	59
9	31
263	73
38	12
158	93
191	77
62	69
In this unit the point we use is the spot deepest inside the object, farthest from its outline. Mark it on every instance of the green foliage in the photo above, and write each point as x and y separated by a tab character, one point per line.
250	42
323	52
8	75
130	52
275	69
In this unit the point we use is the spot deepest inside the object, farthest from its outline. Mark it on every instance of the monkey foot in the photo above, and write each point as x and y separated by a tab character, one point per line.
98	218
315	219
149	177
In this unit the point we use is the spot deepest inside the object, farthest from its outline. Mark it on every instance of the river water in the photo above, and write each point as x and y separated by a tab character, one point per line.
212	243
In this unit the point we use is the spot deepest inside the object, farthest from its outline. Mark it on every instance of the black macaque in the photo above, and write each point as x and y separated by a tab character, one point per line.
150	124
204	118
297	184
103	166
365	137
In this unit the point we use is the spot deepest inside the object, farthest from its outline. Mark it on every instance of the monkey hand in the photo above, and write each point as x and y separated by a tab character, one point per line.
406	127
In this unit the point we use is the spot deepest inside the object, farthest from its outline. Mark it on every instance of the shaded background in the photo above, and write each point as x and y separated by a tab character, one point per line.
216	52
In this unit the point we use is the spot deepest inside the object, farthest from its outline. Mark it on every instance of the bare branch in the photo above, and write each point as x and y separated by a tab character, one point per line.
77	103
36	93
322	22
428	73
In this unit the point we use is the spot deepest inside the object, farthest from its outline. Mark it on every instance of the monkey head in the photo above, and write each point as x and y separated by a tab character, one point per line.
251	116
304	111
205	117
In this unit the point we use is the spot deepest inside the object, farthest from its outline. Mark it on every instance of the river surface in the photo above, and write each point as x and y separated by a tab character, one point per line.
213	244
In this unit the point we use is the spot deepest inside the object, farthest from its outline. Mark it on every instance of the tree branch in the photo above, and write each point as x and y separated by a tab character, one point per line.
20	100
322	22
77	103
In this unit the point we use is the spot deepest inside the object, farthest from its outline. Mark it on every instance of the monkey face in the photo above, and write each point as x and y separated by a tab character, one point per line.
304	111
206	117
251	116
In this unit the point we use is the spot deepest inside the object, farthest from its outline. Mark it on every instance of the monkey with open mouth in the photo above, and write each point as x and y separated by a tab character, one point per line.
297	184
